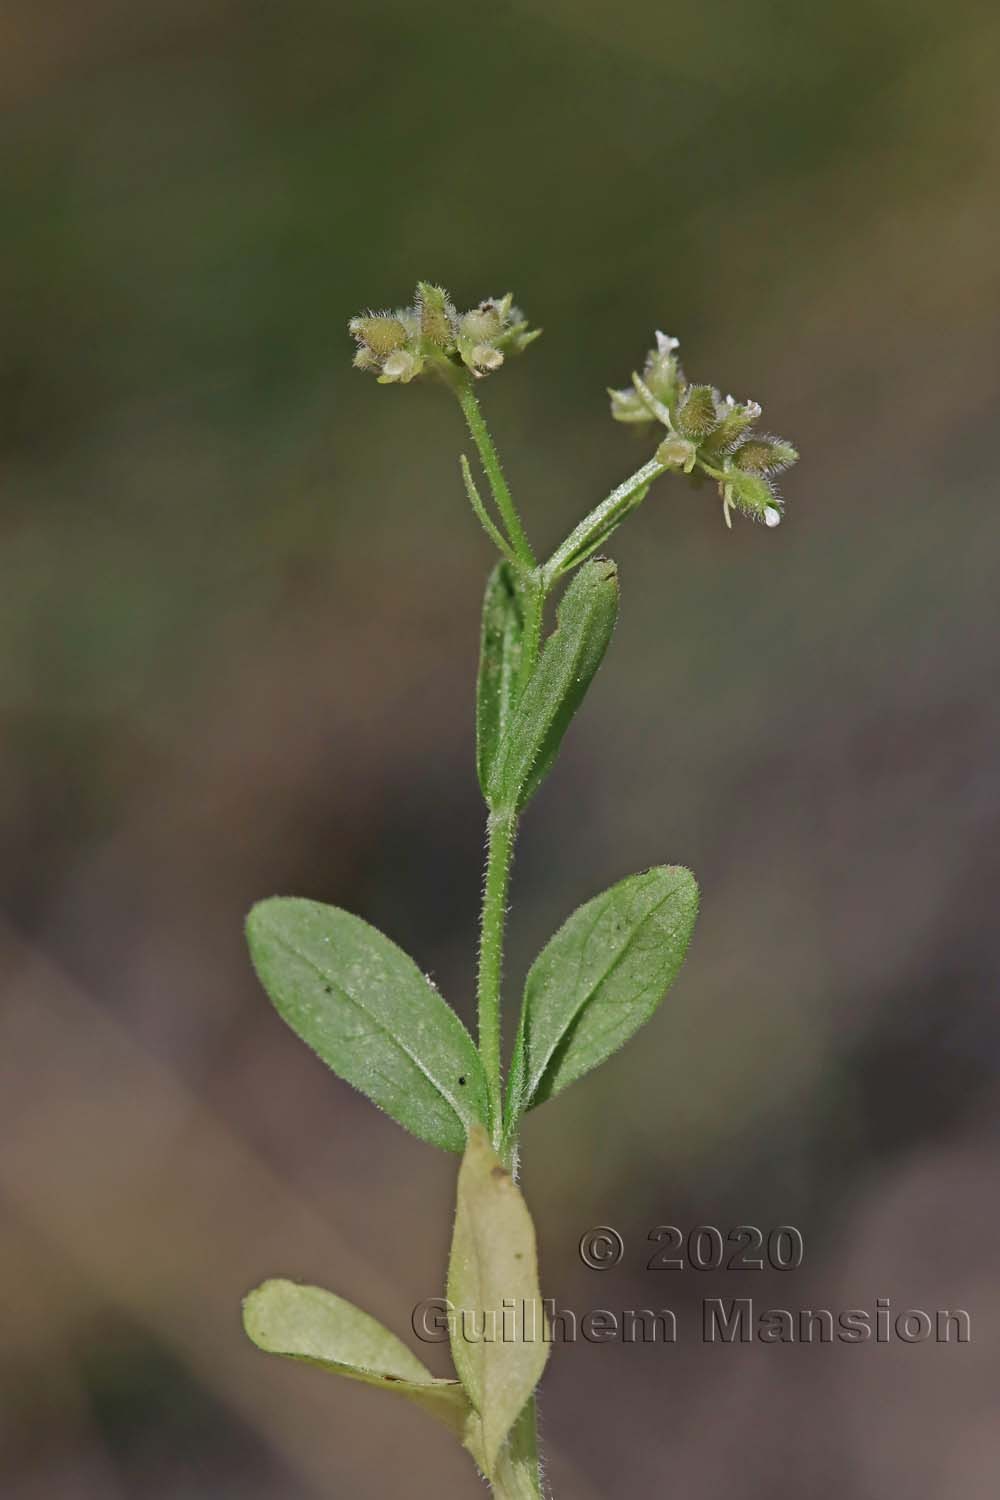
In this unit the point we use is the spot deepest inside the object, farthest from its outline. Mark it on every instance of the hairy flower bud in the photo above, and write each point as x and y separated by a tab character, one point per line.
485	357
764	455
735	420
754	495
696	415
662	372
379	333
482	324
437	316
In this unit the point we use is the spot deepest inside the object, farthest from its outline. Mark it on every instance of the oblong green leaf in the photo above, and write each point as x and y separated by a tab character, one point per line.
499	660
599	978
572	654
319	1328
497	1321
360	1003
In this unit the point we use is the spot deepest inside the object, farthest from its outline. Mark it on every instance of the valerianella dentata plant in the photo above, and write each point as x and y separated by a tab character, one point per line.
368	1010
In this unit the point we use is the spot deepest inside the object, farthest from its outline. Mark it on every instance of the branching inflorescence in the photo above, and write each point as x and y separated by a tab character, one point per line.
368	1010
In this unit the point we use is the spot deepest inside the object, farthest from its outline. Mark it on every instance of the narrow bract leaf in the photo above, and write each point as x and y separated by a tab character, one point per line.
497	1321
596	982
319	1328
499	659
572	654
360	1003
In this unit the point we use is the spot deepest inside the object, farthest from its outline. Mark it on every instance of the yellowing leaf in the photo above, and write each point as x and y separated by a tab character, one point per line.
497	1323
319	1328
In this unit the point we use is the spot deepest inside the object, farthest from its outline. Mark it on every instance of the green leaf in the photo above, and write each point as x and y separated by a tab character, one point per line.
360	1003
596	982
319	1328
572	654
499	659
497	1322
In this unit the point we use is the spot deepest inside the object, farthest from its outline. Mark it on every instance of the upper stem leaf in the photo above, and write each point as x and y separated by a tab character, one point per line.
499	663
360	1003
598	980
585	620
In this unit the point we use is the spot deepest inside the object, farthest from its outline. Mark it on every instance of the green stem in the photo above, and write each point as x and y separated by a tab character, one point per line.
595	529
490	460
518	1473
501	831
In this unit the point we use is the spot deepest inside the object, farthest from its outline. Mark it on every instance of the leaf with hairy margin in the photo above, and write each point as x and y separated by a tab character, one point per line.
598	980
365	1008
572	654
499	660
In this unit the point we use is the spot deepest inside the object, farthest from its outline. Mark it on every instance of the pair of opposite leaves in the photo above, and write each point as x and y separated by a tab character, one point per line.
366	1009
493	1267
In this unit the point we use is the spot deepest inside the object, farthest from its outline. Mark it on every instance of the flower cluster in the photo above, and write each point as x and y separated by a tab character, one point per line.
432	335
707	433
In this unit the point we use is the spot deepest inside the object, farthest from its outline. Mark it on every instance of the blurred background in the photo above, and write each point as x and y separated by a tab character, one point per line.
239	594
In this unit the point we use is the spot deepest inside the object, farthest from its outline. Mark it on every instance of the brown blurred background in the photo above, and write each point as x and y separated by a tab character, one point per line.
239	589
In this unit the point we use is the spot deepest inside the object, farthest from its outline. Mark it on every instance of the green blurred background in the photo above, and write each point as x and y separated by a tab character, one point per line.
239	589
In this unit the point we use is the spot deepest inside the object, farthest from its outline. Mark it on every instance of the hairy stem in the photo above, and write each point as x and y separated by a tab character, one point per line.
501	831
518	1473
490	461
595	529
518	1476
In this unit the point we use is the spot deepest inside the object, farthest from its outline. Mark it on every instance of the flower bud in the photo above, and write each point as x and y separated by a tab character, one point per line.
485	357
662	372
677	453
400	366
764	455
754	495
437	315
696	415
379	333
736	419
482	324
